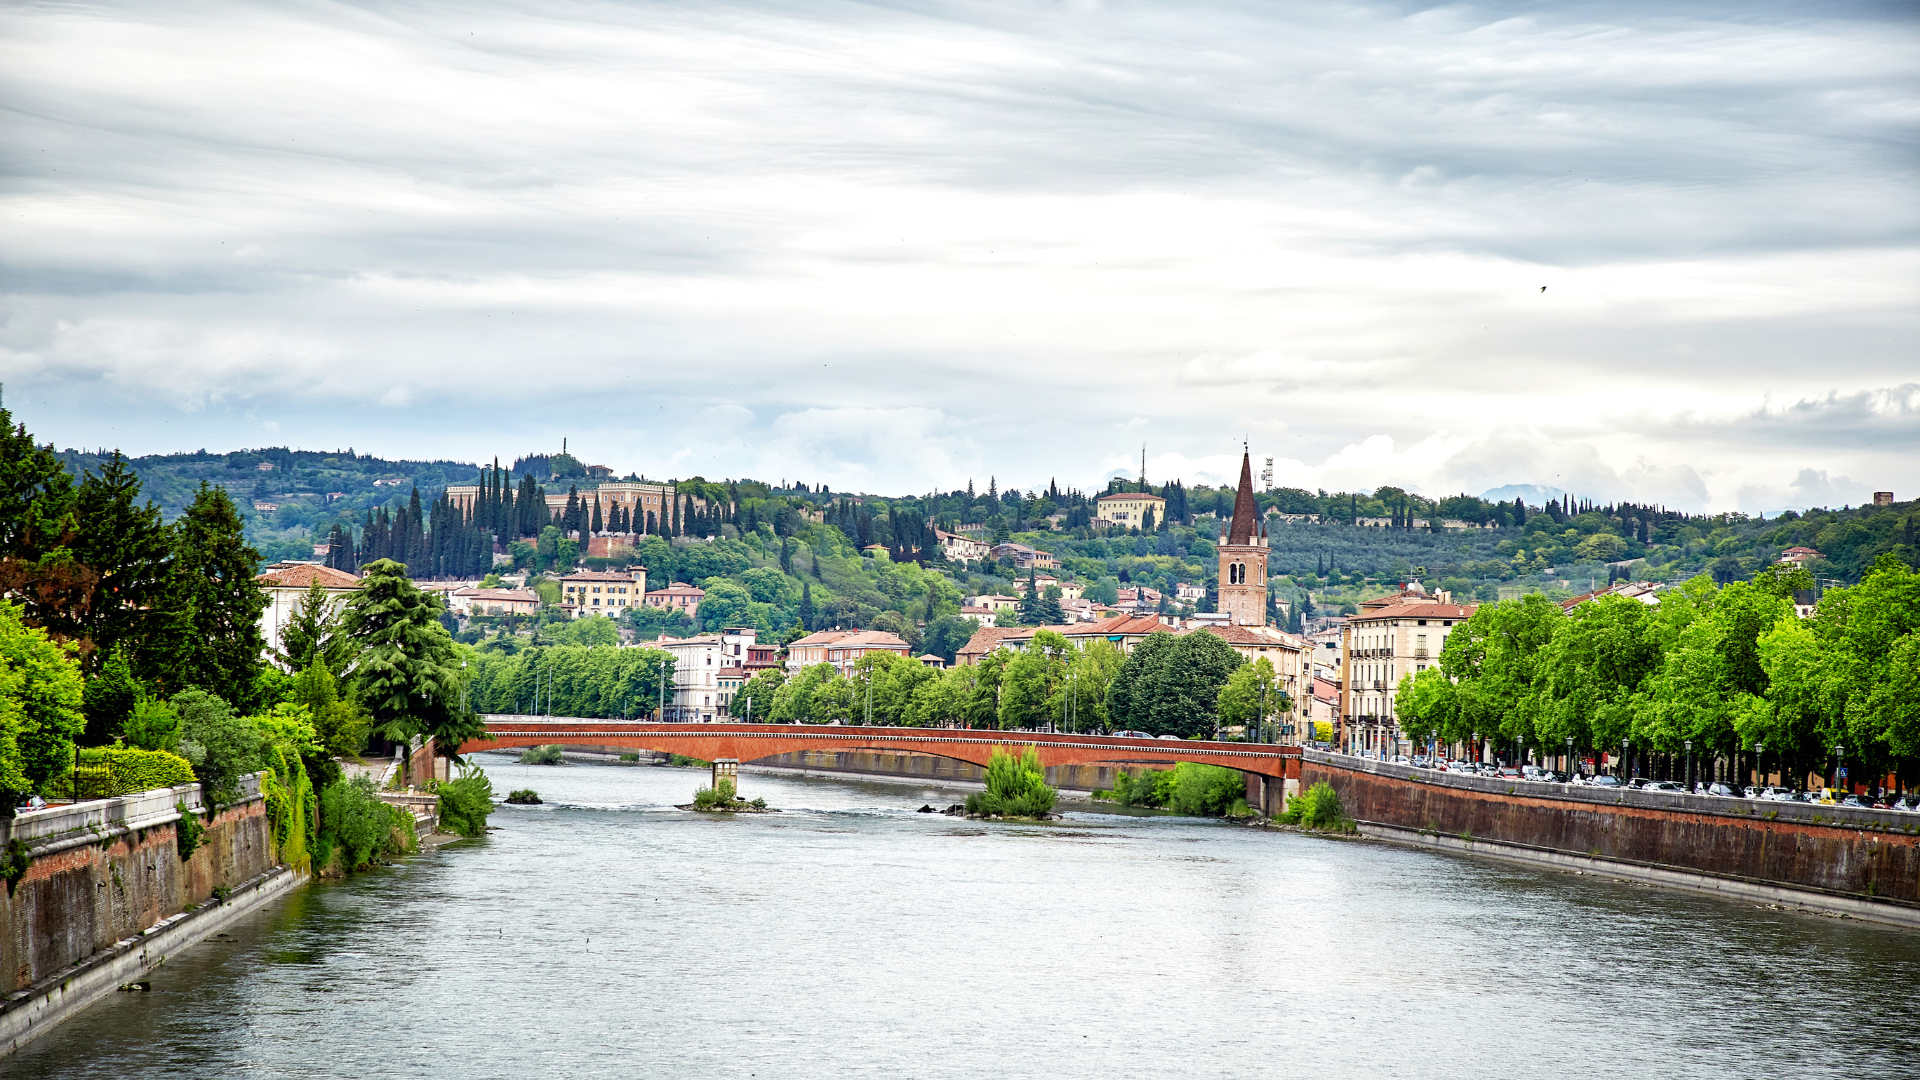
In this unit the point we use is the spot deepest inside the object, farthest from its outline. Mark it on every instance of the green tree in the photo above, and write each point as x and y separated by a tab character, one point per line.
312	632
1030	687
219	745
40	701
109	699
215	568
946	634
761	690
1174	688
1251	695
406	672
1090	675
340	727
793	703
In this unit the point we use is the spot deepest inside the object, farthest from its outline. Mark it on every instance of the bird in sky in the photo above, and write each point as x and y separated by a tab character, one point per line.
1543	288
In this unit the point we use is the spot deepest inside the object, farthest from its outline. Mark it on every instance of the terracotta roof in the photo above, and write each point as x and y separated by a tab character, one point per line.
303	575
599	575
1248	635
521	595
1129	495
676	589
819	637
1418	611
1121	625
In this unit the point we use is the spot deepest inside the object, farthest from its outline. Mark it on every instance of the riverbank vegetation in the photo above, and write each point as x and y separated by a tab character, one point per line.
1016	787
1729	668
724	798
524	797
1317	808
465	802
550	754
1187	788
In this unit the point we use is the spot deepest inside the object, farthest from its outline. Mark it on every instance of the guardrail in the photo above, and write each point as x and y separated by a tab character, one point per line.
56	828
1749	809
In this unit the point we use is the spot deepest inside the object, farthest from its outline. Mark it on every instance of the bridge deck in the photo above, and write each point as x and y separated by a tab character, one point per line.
751	742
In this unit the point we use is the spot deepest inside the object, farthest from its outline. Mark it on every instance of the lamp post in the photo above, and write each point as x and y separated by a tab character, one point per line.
1689	765
1839	762
1624	743
1476	749
1569	755
1760	764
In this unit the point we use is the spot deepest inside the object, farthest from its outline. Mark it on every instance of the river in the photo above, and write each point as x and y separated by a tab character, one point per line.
608	934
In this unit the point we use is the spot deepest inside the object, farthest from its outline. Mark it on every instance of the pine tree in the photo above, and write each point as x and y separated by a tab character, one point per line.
216	568
406	671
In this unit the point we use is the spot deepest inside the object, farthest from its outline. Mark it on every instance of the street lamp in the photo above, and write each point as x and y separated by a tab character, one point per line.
1570	755
1839	762
1689	765
1476	748
1760	764
1624	743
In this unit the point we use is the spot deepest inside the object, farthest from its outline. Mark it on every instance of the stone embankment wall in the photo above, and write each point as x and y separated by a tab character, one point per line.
1868	856
105	882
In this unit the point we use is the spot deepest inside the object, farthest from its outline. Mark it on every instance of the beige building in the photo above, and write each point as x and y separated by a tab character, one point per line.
596	592
1378	647
476	601
841	648
1128	509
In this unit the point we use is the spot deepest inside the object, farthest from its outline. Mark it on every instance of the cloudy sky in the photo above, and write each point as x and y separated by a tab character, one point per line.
895	246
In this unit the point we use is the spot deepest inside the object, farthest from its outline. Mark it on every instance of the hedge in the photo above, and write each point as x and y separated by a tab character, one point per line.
106	771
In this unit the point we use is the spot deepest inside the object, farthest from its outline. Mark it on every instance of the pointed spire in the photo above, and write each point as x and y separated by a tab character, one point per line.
1246	512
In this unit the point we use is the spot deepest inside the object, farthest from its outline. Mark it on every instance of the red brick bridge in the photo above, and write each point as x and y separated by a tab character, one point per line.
751	742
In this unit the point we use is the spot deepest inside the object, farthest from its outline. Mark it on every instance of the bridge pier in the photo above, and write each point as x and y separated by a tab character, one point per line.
728	769
1269	794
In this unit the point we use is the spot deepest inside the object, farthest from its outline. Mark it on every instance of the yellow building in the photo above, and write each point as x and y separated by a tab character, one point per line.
1128	509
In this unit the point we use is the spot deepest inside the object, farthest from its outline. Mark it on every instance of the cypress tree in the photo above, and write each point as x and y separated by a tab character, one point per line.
598	526
216	567
806	602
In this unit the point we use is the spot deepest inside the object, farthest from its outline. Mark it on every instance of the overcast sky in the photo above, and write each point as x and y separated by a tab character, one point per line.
891	247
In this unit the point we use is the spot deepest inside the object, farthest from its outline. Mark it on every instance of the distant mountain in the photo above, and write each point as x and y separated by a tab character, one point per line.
1535	494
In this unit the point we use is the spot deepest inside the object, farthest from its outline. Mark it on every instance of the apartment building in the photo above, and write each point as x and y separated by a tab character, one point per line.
1380	645
707	670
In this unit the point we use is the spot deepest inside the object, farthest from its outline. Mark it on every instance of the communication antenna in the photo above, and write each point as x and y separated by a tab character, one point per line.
1266	476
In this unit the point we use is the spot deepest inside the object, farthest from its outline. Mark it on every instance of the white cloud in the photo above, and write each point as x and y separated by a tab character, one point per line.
1011	240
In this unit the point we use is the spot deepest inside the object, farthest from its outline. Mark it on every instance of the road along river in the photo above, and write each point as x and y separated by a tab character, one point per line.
608	934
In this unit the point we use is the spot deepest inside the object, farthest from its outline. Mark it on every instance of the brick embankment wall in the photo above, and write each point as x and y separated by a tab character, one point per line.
105	871
1867	855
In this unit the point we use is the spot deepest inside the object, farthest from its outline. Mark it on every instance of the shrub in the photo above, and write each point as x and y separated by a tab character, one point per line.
715	797
629	757
292	808
465	804
188	832
1016	787
106	771
1318	807
543	755
355	826
1149	787
525	796
679	761
1208	790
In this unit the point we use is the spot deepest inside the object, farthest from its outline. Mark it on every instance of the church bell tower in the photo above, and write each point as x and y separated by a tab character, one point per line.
1243	556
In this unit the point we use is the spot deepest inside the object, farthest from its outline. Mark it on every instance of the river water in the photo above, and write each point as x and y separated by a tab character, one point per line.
608	934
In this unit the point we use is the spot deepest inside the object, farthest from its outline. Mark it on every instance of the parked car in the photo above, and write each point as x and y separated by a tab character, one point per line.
1175	738
1131	735
1604	780
1720	791
1508	772
1859	802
